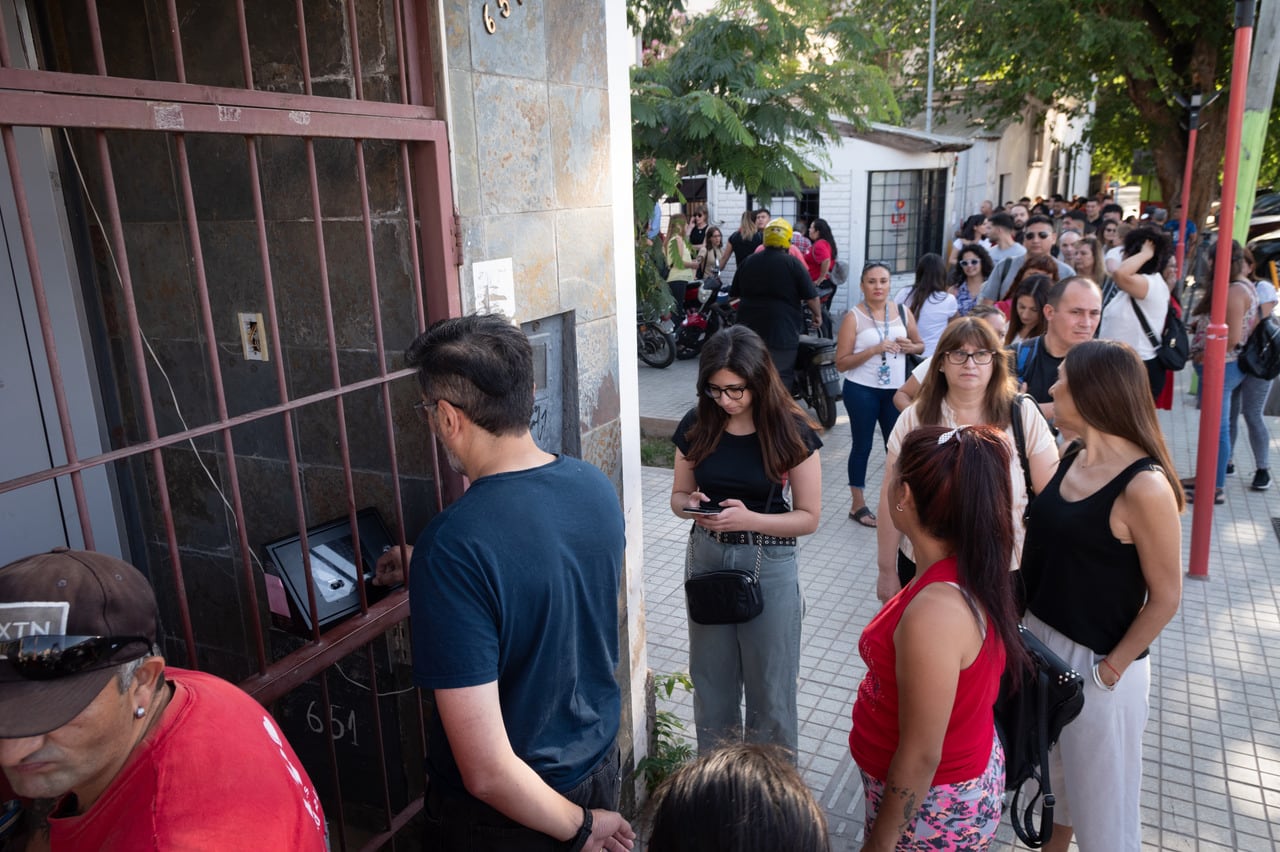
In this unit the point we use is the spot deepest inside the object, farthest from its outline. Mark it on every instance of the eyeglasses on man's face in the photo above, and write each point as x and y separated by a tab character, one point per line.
959	356
1039	235
422	406
734	392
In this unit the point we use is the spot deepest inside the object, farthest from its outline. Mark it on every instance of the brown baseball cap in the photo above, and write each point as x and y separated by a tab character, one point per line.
68	593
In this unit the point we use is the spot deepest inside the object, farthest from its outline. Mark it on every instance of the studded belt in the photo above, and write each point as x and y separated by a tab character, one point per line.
756	538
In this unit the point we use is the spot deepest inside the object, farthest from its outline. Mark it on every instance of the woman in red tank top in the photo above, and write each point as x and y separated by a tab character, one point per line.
923	731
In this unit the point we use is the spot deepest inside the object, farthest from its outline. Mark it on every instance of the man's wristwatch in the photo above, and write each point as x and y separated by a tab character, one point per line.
584	834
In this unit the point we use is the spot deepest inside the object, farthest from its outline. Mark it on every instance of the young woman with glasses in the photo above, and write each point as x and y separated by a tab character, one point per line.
871	354
969	384
738	452
973	267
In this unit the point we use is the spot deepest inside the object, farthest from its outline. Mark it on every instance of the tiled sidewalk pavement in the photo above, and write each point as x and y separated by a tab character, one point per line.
1213	742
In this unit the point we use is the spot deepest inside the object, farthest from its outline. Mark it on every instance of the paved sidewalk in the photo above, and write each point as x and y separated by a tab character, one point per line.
1213	742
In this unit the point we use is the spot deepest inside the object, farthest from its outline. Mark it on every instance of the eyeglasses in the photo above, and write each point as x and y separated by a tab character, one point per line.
422	405
734	392
959	356
970	261
1040	235
53	657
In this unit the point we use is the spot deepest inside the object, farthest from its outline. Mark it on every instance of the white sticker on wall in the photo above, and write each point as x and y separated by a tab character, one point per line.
495	287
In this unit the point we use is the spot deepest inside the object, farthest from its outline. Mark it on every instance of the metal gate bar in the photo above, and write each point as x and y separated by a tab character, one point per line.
101	103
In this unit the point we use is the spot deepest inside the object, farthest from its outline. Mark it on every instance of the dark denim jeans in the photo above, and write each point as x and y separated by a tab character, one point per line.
463	823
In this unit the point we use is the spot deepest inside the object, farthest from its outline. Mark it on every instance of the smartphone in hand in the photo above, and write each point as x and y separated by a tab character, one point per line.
705	509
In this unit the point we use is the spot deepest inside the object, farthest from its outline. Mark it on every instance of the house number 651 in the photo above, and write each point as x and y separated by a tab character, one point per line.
504	9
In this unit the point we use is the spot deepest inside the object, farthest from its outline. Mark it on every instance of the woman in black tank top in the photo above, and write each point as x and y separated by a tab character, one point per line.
1103	573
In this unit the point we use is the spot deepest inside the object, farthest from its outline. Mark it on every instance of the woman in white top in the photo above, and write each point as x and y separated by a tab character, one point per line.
1251	397
928	300
974	230
1140	286
968	384
871	353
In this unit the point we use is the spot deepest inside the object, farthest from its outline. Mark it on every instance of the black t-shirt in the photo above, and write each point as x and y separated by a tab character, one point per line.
736	467
771	285
1039	370
697	236
742	247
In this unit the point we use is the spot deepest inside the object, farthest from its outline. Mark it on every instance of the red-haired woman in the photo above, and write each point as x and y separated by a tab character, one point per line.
923	732
737	451
1103	573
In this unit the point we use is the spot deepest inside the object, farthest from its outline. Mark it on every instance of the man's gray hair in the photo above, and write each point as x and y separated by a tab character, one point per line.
126	671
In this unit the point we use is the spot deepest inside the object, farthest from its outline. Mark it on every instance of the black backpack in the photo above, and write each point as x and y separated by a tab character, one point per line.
1261	353
1029	718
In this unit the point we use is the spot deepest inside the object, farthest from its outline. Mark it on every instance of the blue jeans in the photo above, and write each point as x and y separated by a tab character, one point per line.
867	406
1231	379
759	658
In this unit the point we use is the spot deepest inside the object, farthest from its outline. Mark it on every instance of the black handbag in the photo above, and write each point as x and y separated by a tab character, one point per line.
1261	353
722	597
1030	717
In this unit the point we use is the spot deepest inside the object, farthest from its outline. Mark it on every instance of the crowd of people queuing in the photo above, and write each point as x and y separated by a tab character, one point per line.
1026	477
1027	481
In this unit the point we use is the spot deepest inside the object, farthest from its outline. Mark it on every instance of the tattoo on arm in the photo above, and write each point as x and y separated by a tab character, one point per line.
909	806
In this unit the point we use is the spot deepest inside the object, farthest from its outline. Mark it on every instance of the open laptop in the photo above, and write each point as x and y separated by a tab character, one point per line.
334	572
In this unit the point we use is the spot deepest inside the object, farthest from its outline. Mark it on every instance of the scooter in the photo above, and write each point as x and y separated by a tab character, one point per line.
712	310
655	339
818	382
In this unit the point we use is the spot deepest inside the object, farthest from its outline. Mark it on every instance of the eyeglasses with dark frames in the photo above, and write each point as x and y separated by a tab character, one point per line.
734	392
1040	235
980	357
49	657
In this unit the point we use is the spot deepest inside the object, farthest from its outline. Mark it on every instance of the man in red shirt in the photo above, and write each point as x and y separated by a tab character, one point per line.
110	750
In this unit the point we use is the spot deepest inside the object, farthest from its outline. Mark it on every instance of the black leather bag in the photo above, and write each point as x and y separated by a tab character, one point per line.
1029	718
724	597
1261	353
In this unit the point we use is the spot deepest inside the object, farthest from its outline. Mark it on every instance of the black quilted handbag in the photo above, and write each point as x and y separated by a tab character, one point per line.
1261	353
1029	718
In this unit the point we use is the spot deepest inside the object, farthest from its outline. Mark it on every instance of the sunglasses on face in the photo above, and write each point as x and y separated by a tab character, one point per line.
970	261
959	356
53	657
1040	235
734	392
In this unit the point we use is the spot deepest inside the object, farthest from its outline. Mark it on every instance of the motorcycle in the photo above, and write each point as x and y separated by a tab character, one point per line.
818	382
710	310
655	339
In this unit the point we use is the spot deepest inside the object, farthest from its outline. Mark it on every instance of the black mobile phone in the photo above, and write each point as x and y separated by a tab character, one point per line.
707	509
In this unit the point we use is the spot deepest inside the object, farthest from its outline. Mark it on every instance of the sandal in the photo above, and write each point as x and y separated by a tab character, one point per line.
1218	497
864	516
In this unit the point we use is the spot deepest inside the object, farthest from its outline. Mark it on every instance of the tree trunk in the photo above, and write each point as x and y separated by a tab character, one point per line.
1206	171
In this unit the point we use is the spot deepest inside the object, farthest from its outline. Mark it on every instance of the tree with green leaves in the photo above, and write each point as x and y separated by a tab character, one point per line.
1131	60
750	91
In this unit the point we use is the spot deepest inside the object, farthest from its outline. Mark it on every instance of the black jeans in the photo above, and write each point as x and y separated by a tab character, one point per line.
462	823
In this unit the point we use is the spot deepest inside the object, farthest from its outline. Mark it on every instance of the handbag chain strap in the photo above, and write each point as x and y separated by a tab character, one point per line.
688	551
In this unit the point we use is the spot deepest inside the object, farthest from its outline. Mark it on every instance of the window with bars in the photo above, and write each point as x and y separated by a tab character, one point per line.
905	210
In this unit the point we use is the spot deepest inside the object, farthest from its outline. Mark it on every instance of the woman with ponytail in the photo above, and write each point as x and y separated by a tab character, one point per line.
923	732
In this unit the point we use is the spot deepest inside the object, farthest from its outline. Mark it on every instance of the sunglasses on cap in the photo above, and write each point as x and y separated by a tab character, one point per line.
53	657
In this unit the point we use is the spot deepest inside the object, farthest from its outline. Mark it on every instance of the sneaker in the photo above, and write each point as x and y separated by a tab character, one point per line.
1261	480
1231	468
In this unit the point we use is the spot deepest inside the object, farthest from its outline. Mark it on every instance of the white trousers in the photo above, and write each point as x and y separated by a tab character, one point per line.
1096	768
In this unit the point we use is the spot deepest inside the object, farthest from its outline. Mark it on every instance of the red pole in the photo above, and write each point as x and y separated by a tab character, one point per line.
1216	340
1193	125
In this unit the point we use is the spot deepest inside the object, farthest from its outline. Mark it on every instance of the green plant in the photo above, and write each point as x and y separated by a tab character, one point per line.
657	451
668	749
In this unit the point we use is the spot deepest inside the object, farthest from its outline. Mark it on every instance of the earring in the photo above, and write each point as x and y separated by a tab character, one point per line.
898	507
139	712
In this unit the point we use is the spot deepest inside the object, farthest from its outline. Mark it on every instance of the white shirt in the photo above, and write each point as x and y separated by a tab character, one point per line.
1119	322
937	311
